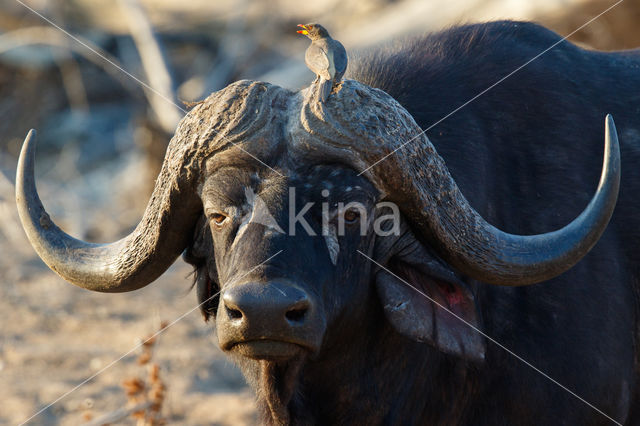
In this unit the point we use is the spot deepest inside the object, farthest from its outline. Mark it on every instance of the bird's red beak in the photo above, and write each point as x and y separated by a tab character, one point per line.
304	30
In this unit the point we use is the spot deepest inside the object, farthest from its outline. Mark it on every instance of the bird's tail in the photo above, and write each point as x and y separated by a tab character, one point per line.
324	90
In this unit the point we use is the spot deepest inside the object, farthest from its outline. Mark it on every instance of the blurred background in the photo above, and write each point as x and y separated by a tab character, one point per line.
106	98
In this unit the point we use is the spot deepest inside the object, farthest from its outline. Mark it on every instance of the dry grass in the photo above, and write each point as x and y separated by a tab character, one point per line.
145	397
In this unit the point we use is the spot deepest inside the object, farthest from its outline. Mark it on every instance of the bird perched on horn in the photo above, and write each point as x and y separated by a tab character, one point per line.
326	57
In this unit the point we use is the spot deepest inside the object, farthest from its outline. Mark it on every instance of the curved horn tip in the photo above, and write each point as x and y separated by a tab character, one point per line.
31	136
609	128
28	145
611	146
25	172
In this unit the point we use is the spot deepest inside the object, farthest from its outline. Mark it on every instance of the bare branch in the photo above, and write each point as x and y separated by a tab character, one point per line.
118	414
154	64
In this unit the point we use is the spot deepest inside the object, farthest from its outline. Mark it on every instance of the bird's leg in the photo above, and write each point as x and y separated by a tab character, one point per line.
336	86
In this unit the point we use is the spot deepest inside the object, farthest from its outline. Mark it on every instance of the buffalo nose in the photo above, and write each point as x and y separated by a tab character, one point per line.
271	303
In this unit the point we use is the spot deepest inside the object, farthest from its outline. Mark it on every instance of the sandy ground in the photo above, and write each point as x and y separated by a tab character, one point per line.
55	336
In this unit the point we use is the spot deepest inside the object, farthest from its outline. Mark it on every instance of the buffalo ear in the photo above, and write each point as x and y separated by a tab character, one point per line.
200	254
414	302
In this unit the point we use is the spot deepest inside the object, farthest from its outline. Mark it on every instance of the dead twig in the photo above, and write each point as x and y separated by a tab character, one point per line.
162	98
119	414
145	397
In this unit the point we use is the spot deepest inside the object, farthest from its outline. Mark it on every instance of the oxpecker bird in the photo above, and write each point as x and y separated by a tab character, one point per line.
326	57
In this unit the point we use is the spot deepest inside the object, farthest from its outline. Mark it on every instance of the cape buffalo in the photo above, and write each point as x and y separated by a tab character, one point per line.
325	324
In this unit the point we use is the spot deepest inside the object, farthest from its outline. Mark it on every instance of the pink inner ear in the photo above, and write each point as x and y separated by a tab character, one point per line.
452	294
445	293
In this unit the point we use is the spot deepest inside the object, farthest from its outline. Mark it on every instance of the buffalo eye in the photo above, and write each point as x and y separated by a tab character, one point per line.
218	219
351	216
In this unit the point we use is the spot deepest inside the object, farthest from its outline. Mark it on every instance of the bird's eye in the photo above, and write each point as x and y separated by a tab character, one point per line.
351	215
218	218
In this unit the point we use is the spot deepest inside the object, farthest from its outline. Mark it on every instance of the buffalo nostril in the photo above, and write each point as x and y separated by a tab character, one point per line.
231	300
297	312
296	315
233	313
